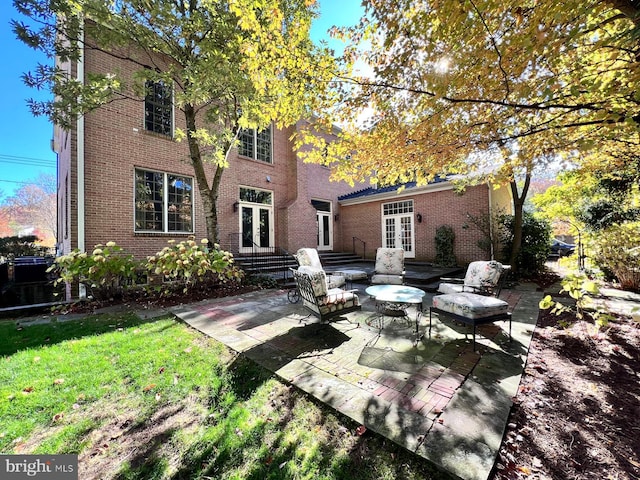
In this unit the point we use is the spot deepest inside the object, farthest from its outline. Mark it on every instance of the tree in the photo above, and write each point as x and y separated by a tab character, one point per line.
489	89
34	206
233	64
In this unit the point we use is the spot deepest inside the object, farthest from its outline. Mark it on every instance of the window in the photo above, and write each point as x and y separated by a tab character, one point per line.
256	145
158	108
163	202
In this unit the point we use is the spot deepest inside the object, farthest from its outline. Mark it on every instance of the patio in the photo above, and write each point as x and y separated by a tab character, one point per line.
439	398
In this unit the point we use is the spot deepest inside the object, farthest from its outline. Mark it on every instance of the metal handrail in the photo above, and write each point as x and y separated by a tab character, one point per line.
364	246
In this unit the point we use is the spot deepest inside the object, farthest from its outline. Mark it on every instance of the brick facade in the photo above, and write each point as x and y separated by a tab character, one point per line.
115	143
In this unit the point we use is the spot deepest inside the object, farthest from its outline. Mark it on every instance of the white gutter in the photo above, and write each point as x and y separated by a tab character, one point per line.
80	161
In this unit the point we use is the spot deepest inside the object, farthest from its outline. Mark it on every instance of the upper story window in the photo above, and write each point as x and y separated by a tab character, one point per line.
256	144
163	202
158	108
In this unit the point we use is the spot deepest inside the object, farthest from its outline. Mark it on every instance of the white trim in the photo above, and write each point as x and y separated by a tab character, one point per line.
80	161
394	195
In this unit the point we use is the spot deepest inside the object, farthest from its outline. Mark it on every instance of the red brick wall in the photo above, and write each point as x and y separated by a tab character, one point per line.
437	208
116	143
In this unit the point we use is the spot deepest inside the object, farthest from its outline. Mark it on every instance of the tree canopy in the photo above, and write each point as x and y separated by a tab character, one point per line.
487	89
233	64
456	87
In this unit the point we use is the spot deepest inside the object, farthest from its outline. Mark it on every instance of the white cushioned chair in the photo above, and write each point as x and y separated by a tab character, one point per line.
322	302
308	257
389	268
482	277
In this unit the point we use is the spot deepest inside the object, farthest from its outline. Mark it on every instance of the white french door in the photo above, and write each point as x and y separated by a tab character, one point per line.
397	227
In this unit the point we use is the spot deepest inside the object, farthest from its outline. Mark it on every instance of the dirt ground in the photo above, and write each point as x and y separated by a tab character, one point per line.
577	411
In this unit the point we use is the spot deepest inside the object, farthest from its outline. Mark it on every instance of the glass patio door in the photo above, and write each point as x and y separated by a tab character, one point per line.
398	228
256	221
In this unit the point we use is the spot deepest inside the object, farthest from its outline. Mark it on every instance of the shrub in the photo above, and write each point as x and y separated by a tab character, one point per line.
188	264
582	289
106	272
616	251
534	250
21	247
445	237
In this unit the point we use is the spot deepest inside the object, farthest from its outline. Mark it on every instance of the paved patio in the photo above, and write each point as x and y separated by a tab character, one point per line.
439	398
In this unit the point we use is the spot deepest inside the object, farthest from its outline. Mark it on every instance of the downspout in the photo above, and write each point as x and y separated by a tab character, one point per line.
82	292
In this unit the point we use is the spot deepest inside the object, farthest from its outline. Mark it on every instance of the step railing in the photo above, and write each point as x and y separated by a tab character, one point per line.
360	242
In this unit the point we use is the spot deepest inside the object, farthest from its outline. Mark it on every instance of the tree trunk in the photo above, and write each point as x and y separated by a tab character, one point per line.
518	206
209	195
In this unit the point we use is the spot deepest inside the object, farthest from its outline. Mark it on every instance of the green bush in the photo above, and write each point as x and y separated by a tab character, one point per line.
616	251
188	264
534	250
445	237
21	247
106	272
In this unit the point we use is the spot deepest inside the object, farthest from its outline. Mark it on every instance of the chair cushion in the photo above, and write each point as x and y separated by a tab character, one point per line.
385	279
454	288
318	280
389	261
470	305
337	299
483	273
308	257
351	274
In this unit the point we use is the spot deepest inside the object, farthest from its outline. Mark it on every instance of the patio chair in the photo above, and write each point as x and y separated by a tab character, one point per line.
389	268
308	257
482	277
322	302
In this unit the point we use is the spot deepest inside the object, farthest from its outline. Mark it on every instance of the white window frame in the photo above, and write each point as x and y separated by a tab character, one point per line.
254	153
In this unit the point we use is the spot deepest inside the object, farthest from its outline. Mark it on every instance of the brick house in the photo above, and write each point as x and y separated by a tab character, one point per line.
409	217
123	177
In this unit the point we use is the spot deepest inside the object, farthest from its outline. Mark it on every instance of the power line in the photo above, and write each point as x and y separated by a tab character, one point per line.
25	183
18	160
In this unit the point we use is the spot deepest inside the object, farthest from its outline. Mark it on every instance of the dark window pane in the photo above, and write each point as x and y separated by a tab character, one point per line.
158	108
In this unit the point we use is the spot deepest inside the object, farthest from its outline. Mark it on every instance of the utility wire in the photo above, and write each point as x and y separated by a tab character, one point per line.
37	162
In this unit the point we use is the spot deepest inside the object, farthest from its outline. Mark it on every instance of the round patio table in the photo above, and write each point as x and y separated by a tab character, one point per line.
393	300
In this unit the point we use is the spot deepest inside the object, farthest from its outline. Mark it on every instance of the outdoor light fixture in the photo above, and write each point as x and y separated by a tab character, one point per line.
235	206
336	217
419	217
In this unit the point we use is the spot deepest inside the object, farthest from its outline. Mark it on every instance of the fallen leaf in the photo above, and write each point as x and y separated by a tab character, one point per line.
525	470
58	416
36	359
361	430
161	370
268	460
158	396
27	389
188	350
58	381
151	386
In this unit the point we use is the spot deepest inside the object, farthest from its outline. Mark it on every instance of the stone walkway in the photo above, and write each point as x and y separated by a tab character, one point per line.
439	398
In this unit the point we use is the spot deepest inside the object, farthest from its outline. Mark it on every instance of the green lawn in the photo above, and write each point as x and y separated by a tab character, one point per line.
158	400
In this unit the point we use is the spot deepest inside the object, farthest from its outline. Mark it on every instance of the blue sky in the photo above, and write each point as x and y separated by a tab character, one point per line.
25	140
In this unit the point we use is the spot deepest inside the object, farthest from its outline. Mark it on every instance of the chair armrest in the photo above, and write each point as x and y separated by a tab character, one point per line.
452	280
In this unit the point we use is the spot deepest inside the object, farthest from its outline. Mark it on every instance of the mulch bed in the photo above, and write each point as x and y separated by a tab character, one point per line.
577	411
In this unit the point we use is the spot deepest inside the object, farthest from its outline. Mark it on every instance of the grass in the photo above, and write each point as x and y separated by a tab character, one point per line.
157	400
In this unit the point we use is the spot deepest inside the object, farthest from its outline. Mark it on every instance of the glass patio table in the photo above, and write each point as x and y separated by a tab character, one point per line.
394	300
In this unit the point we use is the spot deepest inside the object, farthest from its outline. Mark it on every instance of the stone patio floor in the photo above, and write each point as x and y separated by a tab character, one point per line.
439	398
